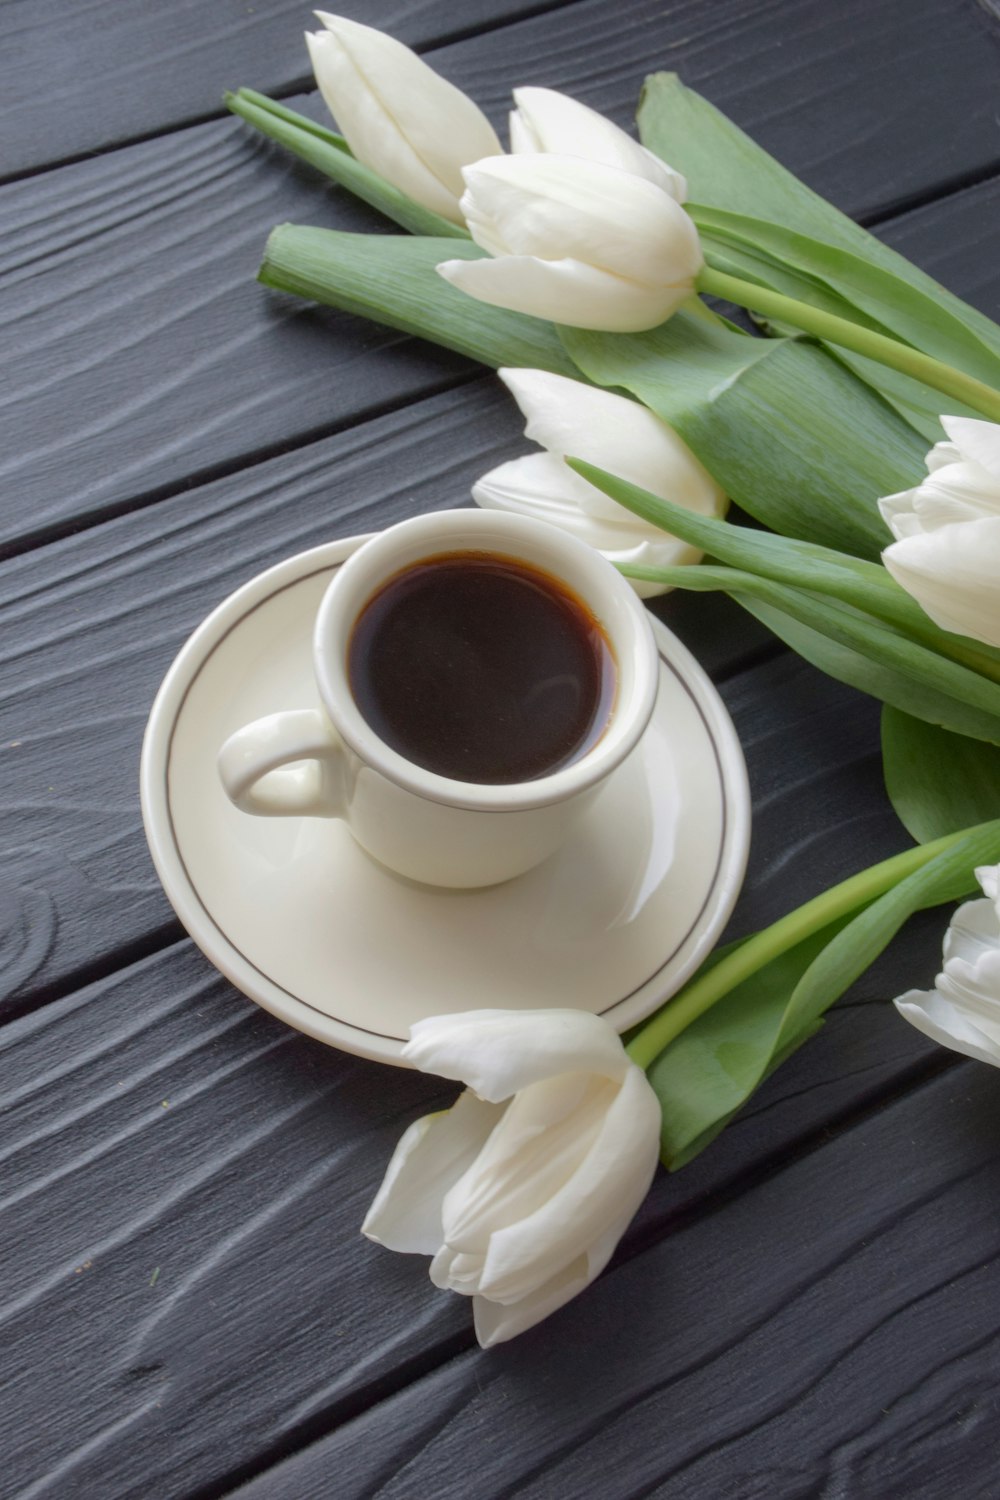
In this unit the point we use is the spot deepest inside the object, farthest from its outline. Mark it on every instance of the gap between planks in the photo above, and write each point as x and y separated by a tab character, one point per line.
951	187
58	531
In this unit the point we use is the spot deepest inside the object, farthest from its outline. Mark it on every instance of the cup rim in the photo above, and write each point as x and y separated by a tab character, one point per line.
605	591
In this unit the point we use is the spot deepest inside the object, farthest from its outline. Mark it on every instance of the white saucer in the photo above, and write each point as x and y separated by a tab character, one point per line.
307	925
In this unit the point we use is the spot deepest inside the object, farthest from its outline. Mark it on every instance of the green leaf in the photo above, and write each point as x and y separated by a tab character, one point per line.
726	170
706	1075
866	585
793	438
854	648
938	782
391	279
852	285
330	153
835	281
758	220
948	877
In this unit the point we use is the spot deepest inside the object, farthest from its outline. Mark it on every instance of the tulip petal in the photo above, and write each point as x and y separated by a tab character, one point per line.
943	1022
456	1271
989	881
370	130
431	1156
565	291
546	120
976	440
496	1322
620	435
941	455
542	486
545	1135
956	493
953	574
559	207
971	976
521	1205
897	513
497	1052
606	1188
398	116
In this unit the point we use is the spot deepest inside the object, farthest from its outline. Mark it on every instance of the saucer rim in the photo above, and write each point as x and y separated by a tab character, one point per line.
220	950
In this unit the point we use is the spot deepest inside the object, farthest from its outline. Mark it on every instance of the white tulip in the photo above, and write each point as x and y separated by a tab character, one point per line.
397	115
545	120
963	1009
947	552
568	417
521	1190
575	241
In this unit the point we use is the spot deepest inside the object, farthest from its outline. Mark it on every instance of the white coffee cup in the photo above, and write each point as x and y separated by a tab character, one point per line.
430	828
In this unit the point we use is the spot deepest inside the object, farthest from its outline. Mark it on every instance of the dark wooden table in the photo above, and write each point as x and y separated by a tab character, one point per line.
186	1305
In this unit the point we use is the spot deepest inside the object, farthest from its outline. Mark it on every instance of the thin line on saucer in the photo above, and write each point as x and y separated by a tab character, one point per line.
353	1025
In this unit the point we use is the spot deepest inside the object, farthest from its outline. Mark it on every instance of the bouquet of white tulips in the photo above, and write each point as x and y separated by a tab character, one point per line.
575	265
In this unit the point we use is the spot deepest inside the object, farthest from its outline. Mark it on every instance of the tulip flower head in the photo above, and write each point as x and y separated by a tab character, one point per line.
575	241
569	417
963	1010
546	120
397	115
947	529
521	1190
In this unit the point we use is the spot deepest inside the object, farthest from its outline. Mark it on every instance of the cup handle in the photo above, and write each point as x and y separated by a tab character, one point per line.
258	767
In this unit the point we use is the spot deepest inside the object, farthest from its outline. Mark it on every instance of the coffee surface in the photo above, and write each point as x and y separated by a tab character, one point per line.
481	668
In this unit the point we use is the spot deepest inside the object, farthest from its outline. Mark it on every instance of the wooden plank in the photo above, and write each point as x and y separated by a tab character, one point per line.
834	1331
904	75
148	354
175	1165
147	357
965	256
186	1294
126	68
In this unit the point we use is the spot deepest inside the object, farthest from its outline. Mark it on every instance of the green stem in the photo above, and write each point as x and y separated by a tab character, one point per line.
839	901
848	335
851	591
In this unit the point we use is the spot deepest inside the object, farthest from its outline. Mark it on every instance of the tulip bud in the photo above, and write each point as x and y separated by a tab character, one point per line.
397	115
575	241
522	1190
947	552
568	417
963	1010
545	120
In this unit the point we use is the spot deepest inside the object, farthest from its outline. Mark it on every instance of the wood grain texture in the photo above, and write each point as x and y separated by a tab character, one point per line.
177	1167
850	80
119	69
807	1310
144	356
185	1291
965	254
792	1343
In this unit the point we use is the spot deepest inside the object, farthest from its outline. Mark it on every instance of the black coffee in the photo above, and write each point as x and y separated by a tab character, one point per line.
481	668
